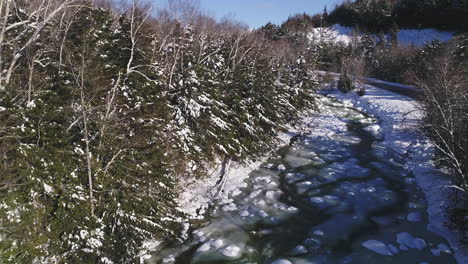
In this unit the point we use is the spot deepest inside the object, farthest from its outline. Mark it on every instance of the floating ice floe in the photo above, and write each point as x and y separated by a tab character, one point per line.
299	250
244	213
377	247
235	192
281	261
231	251
318	233
270	194
168	259
217	243
229	207
262	214
393	249
410	180
198	233
375	131
317	200
407	240
204	247
414	217
255	193
441	248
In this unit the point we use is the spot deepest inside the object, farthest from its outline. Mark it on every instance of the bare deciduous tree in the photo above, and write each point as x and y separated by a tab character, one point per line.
32	26
445	105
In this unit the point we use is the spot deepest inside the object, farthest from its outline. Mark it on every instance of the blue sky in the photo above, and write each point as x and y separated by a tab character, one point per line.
256	13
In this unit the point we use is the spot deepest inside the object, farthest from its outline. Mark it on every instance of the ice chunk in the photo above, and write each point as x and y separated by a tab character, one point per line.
265	232
375	130
229	207
441	248
217	243
317	200
435	252
299	250
198	233
262	214
377	247
312	243
393	249
407	240
244	213
444	248
270	194
231	251
254	194
281	167
409	180
168	259
204	247
235	192
414	217
404	248
318	232
281	261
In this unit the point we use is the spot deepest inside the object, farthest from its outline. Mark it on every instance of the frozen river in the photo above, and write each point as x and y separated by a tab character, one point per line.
340	198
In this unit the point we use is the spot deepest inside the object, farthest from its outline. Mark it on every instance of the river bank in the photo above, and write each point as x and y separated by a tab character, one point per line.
348	180
400	117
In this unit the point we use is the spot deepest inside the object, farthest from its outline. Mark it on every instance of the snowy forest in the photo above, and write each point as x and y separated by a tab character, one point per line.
108	110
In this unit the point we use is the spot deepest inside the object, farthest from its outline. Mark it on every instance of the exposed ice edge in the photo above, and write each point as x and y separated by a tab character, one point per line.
399	117
195	199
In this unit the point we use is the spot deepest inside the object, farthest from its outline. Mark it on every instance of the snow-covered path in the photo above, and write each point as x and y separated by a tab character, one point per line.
345	193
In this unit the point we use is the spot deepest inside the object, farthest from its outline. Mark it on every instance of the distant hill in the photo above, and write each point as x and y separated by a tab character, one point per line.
387	15
404	37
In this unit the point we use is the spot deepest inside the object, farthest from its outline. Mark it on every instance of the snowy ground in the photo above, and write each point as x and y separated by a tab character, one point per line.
406	37
399	117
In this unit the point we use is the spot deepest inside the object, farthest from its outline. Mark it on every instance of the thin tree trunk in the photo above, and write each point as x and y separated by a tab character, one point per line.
86	135
30	79
2	31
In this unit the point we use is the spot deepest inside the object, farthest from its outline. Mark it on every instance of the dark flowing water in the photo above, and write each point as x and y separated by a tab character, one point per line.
343	198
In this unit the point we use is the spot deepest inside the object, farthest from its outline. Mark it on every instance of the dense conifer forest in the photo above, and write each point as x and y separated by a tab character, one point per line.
104	108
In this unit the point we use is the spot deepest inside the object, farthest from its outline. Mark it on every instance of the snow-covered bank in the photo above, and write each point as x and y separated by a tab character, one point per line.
368	79
409	87
399	117
197	195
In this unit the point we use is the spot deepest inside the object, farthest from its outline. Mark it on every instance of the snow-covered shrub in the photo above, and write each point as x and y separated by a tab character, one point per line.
445	102
345	83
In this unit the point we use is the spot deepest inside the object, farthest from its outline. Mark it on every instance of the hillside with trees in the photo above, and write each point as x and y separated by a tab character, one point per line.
385	15
104	108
